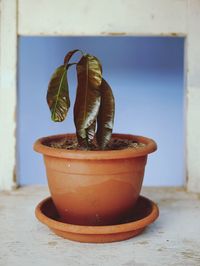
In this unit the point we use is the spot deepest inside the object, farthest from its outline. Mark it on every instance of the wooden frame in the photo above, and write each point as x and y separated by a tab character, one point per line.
114	17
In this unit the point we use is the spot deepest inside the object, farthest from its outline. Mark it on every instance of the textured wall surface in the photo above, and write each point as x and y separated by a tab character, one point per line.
172	240
146	74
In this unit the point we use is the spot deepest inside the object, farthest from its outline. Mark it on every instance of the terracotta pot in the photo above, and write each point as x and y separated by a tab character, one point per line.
95	187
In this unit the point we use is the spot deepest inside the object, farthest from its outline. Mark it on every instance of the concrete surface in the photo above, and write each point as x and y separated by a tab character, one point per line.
174	239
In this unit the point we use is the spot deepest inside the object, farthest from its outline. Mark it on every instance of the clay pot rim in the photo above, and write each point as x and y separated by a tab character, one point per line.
150	147
106	229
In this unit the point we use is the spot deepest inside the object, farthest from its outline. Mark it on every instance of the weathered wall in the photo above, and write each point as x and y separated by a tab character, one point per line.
73	17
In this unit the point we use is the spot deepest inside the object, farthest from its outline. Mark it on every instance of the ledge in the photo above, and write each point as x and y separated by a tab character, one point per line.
172	240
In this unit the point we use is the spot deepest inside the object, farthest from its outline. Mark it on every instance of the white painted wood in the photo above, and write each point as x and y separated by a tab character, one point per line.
8	56
193	96
86	17
193	139
94	17
193	39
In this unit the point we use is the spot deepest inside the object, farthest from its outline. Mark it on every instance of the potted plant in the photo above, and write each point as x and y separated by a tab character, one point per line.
94	176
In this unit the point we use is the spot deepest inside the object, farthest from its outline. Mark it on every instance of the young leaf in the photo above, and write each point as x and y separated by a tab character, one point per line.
58	94
89	74
105	118
69	55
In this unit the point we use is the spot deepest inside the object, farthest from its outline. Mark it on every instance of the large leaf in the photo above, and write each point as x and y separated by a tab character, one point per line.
89	74
105	118
58	94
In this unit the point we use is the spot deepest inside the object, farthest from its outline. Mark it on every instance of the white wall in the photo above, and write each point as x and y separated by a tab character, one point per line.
114	17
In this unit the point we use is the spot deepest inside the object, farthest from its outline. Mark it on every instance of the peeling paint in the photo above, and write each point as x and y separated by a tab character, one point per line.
174	34
113	33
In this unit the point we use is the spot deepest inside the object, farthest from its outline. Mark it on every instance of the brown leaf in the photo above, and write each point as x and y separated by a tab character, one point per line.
91	132
89	74
69	55
105	118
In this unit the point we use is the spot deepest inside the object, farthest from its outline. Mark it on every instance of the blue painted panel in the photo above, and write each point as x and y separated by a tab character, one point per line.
146	74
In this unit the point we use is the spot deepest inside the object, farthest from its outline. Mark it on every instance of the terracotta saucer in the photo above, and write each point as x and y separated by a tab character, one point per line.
144	213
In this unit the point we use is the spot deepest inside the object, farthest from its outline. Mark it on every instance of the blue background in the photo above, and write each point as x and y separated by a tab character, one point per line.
146	75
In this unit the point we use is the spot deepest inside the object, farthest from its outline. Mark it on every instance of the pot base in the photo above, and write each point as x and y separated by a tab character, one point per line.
144	213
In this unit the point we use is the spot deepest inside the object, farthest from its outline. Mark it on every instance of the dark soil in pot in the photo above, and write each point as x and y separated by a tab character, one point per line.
114	144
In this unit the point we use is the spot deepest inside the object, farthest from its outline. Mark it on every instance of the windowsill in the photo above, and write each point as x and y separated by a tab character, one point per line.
171	240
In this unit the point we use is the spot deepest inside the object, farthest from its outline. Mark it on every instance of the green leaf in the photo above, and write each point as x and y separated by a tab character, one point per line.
58	94
87	103
105	118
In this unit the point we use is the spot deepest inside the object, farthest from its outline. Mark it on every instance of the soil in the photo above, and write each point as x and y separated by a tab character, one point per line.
114	144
